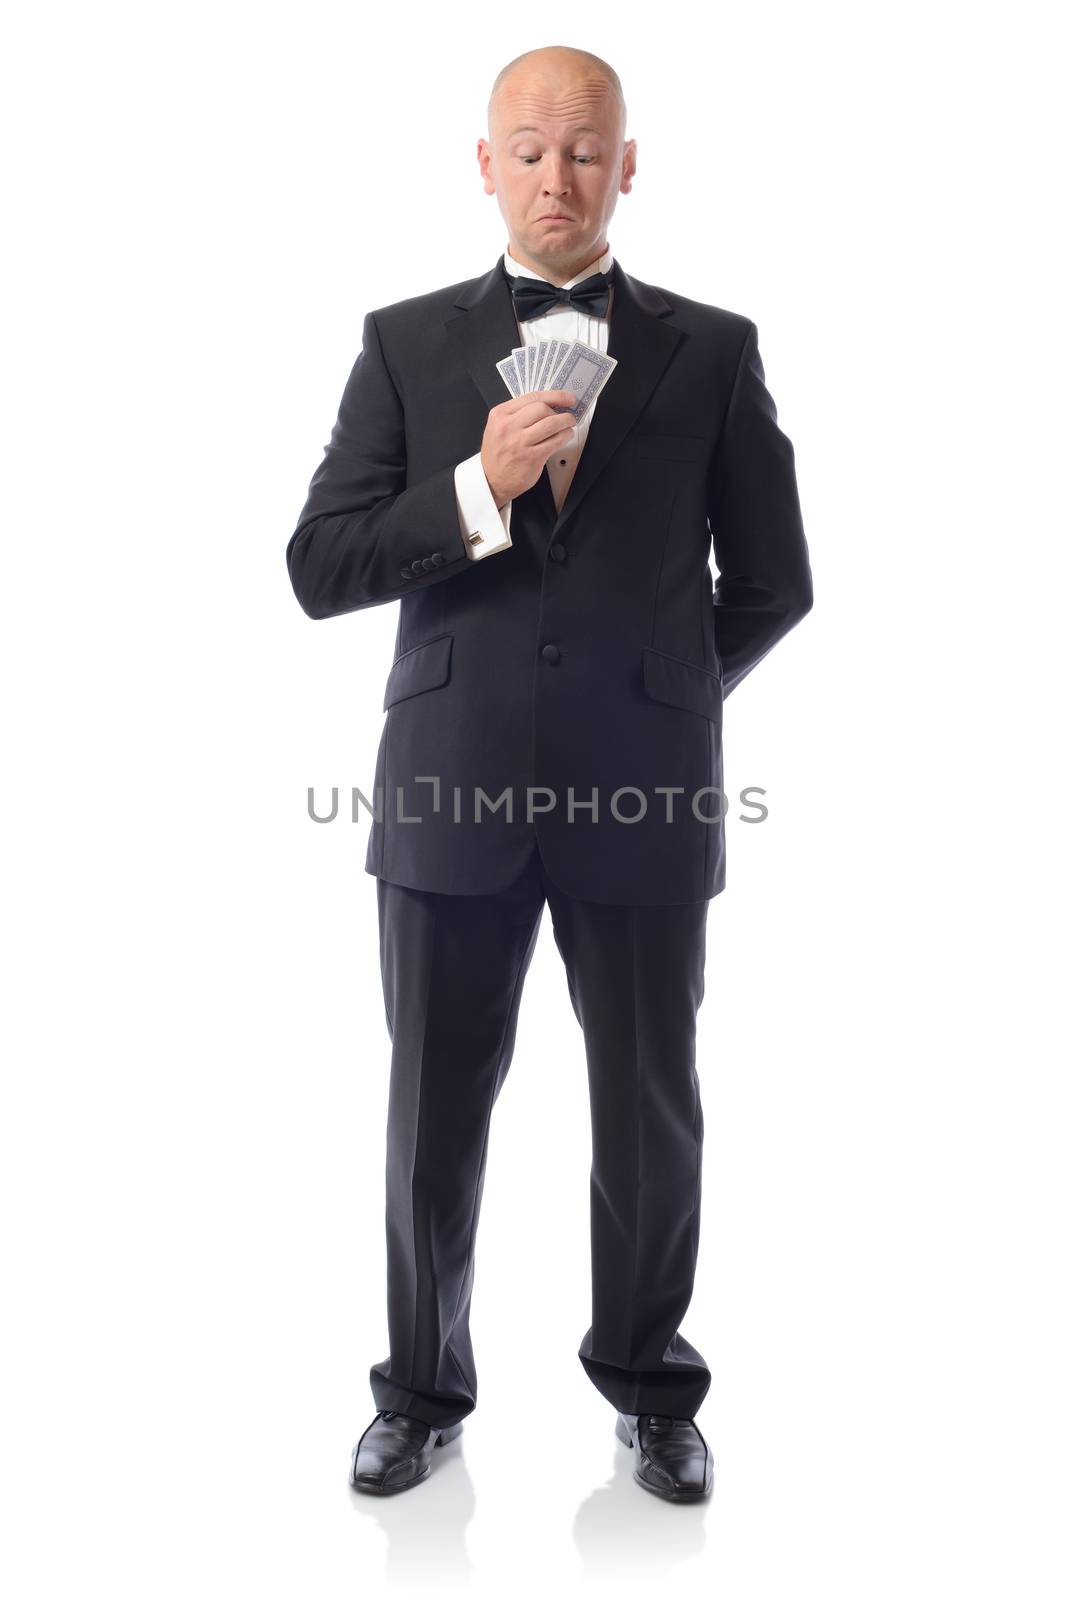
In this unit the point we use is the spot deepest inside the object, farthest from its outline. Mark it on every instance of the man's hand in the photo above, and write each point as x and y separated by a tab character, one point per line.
519	438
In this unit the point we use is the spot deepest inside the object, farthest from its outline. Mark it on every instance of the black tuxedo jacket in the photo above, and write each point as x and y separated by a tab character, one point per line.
594	656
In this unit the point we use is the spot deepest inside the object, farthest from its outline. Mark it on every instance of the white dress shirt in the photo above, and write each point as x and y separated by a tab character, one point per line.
478	510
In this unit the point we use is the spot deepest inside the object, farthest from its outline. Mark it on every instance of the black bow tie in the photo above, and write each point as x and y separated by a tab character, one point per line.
532	297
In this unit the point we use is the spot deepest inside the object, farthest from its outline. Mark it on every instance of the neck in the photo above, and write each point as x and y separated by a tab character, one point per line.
557	273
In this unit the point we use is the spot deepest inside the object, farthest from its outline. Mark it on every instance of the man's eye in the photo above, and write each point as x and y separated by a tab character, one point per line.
584	159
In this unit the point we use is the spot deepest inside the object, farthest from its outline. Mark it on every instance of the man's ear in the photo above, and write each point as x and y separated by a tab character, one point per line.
630	164
485	166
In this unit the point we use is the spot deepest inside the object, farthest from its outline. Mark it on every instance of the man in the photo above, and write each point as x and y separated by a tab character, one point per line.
553	732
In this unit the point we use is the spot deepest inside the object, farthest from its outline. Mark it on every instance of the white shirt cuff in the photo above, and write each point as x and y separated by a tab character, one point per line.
485	529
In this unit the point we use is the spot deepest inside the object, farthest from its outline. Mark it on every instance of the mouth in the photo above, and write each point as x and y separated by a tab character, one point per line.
555	218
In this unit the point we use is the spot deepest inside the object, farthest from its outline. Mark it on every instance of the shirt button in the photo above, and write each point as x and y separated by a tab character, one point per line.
550	652
558	552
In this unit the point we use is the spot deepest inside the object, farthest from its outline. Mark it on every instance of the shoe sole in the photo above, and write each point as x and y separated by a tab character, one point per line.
684	1495
445	1437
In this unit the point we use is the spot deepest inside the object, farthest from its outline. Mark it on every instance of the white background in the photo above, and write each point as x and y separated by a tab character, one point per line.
203	201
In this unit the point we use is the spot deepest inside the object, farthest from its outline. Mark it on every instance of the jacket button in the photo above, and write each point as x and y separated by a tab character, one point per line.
437	558
558	552
550	652
405	572
417	564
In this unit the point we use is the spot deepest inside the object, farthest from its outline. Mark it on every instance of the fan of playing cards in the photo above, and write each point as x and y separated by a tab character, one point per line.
558	364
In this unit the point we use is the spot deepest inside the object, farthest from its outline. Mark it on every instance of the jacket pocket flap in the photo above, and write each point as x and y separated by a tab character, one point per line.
682	683
424	666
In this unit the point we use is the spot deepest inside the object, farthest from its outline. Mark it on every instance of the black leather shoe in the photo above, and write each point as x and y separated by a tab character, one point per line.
394	1452
673	1459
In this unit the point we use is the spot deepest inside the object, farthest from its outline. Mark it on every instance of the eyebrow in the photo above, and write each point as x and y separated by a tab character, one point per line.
528	129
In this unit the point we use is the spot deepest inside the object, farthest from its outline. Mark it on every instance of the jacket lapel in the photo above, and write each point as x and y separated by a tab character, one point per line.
487	329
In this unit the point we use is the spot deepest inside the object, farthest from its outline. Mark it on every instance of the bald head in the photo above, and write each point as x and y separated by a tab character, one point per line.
552	76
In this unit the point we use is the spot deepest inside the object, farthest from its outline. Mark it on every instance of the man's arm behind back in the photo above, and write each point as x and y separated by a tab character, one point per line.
765	582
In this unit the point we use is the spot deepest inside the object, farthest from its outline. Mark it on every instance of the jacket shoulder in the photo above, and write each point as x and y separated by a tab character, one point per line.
430	304
703	316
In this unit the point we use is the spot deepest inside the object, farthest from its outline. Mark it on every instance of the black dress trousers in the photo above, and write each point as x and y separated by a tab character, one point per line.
453	968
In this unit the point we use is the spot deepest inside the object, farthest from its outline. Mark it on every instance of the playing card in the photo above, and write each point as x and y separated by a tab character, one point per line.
584	371
541	351
552	350
507	370
559	348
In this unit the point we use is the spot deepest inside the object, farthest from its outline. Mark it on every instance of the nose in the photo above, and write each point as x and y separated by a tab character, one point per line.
554	182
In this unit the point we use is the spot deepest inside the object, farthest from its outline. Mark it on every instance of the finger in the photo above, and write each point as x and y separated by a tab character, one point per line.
559	397
544	429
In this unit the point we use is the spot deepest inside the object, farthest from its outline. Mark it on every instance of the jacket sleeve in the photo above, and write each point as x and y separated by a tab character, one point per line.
363	537
764	585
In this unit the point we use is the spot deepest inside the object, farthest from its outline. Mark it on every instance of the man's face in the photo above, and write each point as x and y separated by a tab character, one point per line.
556	150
